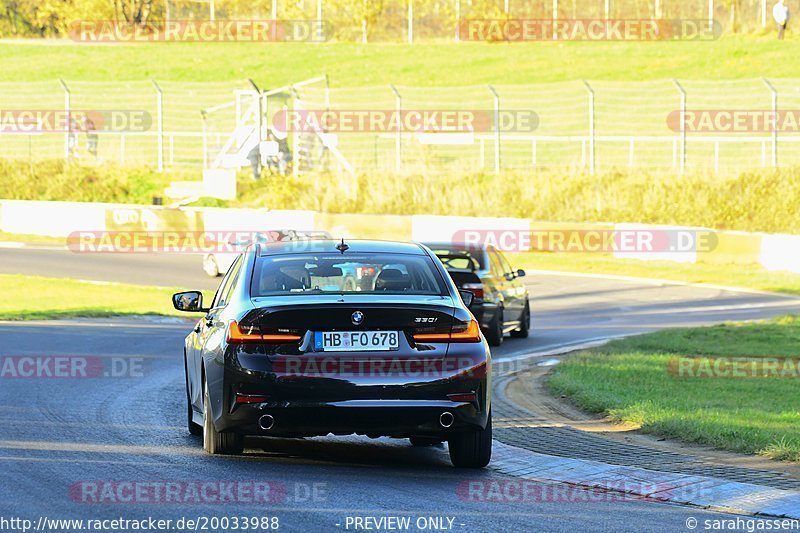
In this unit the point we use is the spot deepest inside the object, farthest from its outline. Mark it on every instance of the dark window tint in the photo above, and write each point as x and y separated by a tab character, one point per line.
371	273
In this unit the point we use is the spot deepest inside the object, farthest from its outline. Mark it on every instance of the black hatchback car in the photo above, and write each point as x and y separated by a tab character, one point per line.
288	348
501	299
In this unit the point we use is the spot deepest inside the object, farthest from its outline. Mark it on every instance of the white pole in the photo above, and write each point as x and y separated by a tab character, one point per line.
555	18
410	21
160	125
458	20
710	15
496	129
591	128
505	7
607	8
658	9
763	13
364	23
211	10
398	106
775	121
683	125
274	9
68	119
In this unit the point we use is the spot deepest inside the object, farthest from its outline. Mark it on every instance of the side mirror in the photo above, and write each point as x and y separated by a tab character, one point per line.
189	301
468	297
520	273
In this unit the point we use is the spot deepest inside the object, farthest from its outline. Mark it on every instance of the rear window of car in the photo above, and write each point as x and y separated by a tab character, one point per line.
460	258
372	273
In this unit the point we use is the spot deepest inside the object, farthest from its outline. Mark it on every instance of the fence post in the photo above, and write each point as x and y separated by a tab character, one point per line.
555	19
458	20
496	129
591	128
320	33
159	125
410	21
295	143
204	116
607	9
763	13
67	117
710	15
683	125
774	121
398	105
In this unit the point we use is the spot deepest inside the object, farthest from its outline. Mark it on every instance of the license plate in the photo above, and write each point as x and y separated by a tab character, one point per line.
356	341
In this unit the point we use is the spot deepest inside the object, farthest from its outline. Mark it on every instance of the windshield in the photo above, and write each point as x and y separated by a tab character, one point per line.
334	273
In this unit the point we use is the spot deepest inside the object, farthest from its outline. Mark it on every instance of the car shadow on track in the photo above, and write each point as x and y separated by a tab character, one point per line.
348	450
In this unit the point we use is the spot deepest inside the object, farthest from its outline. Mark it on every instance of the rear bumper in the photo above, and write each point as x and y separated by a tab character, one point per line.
374	418
389	404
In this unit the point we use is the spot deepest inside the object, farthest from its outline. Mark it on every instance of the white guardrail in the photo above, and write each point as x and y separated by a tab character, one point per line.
60	219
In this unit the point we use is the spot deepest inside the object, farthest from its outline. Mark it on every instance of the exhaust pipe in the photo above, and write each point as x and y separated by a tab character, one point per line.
266	422
446	419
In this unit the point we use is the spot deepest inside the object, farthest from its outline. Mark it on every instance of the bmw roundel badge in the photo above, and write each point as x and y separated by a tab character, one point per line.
357	318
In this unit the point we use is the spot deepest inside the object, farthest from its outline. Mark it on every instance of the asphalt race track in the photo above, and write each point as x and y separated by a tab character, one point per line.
100	447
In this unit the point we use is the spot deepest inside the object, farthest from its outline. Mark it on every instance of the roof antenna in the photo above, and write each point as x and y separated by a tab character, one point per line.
342	247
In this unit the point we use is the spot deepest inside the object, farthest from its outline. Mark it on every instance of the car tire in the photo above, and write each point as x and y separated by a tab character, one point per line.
494	335
525	323
421	442
216	442
210	266
472	449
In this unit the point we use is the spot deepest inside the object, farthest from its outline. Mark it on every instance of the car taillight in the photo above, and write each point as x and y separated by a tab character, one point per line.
253	334
365	272
474	288
461	332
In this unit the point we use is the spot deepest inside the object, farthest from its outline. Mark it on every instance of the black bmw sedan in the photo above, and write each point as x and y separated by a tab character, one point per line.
287	348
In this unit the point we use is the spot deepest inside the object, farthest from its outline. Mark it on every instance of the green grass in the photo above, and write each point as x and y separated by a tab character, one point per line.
351	65
628	380
745	202
40	298
748	276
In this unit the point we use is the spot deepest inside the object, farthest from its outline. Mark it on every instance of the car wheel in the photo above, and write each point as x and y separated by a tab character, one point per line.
419	442
472	449
215	442
210	266
494	335
525	323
